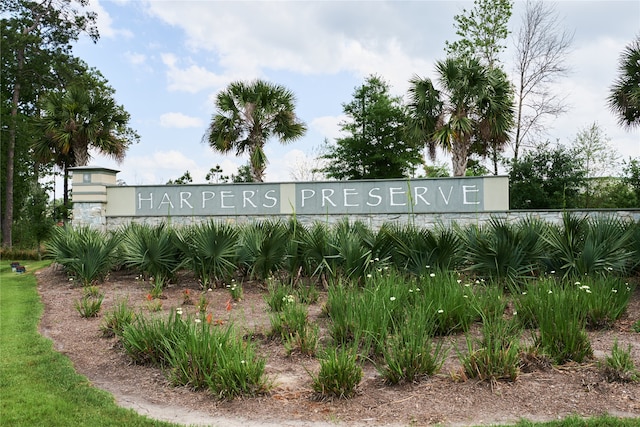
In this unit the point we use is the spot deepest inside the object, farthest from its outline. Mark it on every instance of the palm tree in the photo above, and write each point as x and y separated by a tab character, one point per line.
77	120
624	99
473	106
248	114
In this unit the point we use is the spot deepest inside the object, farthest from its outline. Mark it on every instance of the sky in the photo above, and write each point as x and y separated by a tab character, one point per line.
167	60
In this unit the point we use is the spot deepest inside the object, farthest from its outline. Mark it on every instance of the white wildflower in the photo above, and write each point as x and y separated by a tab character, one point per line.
440	311
392	298
197	320
432	275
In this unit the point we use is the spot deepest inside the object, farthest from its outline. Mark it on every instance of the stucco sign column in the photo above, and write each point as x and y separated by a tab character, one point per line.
89	195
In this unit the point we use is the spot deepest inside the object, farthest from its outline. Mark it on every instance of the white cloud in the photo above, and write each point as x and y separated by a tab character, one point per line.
192	79
310	37
328	126
135	58
179	120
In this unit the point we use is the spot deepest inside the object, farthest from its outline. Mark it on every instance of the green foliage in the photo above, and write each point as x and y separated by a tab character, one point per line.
184	179
496	355
416	250
289	321
473	105
235	290
263	247
117	319
482	31
597	158
210	250
411	353
197	354
215	359
547	178
248	114
376	145
85	253
340	373
590	246
561	320
152	250
450	297
39	384
90	303
624	99
631	177
503	251
318	251
619	365
293	328
279	295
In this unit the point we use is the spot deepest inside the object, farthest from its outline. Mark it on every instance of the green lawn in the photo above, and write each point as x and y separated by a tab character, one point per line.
39	387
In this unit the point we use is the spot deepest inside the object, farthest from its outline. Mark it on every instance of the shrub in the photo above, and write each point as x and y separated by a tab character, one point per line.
263	247
197	354
339	375
151	250
451	297
85	253
278	295
504	252
582	246
215	359
211	250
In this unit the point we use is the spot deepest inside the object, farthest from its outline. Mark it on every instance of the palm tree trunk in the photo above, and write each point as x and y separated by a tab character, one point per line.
459	157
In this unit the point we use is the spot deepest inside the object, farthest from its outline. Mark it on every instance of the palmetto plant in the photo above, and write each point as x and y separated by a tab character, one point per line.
319	251
86	253
152	250
503	251
211	250
589	246
263	247
419	250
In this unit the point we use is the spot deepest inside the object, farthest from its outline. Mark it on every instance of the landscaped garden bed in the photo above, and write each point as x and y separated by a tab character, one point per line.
358	340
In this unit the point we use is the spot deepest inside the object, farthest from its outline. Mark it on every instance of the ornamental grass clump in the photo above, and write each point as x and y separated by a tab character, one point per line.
278	295
365	315
496	355
561	319
210	251
90	303
339	375
453	299
197	354
292	326
118	318
216	359
619	365
85	253
151	250
412	353
604	299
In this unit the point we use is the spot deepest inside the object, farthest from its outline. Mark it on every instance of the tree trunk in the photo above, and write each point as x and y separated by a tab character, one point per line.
459	157
7	221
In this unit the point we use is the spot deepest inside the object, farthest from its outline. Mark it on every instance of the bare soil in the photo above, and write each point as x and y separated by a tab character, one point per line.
542	392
